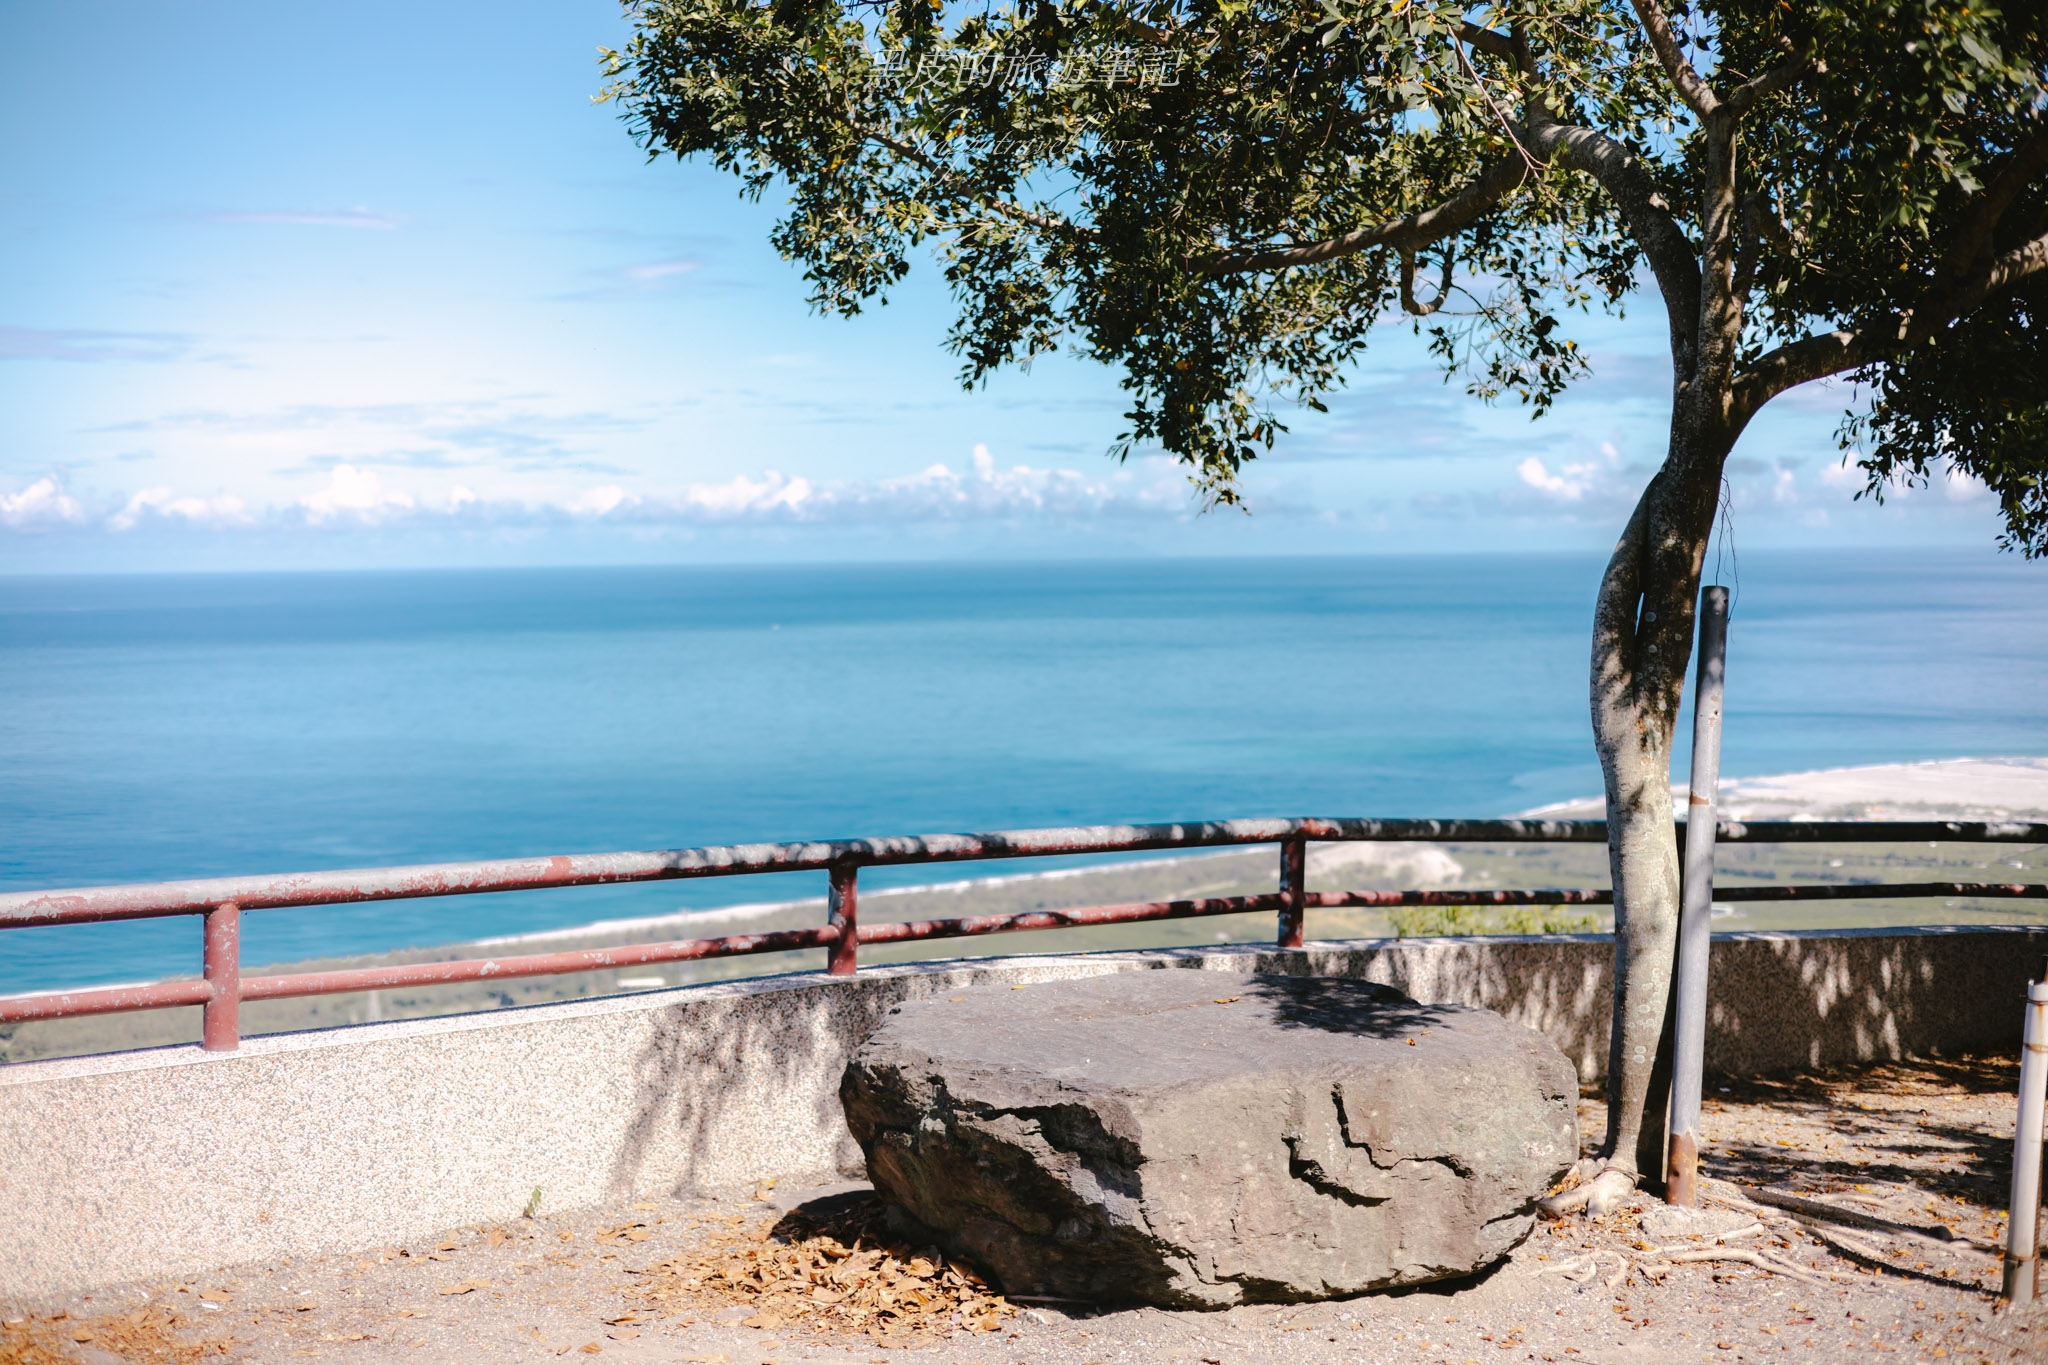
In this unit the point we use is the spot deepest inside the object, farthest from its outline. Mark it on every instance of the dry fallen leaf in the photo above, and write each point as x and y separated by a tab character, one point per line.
834	1272
708	1360
497	1237
216	1296
590	1348
1230	1000
466	1286
151	1333
623	1333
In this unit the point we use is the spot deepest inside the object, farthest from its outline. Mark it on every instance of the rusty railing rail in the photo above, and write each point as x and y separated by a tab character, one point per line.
222	900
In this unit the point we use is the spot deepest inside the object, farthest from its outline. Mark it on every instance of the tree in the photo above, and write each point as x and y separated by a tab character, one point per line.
1222	197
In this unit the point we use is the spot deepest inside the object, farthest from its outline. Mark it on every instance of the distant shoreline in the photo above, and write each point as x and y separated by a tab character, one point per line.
1937	789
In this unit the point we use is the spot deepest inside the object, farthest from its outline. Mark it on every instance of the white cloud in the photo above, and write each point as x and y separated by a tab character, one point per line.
1842	474
1021	491
42	503
936	493
600	501
1149	488
1575	481
86	344
158	502
1960	486
659	270
1569	485
740	496
357	217
354	493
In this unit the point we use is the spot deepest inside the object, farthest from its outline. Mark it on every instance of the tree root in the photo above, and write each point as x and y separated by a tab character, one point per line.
1600	1196
1762	1260
1581	1270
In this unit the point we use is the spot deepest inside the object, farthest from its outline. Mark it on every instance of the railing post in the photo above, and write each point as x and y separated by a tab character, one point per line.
1293	883
1696	915
842	956
221	1027
2023	1220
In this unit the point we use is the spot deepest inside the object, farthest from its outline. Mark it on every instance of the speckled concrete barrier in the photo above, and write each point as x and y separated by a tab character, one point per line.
169	1162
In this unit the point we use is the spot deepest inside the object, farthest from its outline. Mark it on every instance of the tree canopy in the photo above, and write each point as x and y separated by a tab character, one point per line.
1221	197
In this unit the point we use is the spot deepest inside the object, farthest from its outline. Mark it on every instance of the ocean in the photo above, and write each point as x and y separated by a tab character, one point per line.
175	726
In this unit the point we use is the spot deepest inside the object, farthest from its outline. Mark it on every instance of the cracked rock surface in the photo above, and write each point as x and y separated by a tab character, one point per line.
1200	1139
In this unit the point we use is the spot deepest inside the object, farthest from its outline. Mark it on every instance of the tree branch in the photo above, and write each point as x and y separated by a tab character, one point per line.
1673	259
1479	83
2028	258
1722	247
939	170
1491	42
1443	287
1964	279
1411	230
2028	160
1753	208
1838	352
1140	27
1691	88
1770	83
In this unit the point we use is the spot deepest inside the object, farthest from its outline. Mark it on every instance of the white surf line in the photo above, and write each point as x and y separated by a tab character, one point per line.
1943	788
762	909
734	913
756	910
97	986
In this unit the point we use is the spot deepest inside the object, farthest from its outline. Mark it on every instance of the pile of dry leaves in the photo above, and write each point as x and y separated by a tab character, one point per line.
146	1335
835	1270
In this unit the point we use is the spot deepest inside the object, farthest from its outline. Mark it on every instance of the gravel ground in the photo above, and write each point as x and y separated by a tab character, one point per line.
1914	1156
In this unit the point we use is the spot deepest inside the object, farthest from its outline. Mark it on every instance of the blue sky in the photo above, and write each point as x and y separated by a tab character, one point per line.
378	285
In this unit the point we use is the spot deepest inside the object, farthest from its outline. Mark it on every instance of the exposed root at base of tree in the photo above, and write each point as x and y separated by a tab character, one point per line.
1597	1192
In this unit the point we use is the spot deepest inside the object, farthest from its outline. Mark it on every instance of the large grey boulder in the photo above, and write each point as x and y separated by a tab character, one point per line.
1191	1138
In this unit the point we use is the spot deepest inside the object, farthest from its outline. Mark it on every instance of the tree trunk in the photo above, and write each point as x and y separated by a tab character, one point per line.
1642	642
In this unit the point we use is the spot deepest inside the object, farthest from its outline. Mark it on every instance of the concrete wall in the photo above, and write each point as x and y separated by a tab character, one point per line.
168	1162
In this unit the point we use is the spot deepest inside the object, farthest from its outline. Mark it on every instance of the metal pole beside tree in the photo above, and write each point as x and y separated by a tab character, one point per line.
2023	1225
1689	1045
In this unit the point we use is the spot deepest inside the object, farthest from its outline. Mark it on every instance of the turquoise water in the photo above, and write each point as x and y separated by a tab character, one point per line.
158	727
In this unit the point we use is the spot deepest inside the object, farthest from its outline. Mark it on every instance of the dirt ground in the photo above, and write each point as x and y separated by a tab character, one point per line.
1909	1162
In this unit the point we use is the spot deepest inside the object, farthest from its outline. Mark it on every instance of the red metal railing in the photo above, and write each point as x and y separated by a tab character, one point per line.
222	900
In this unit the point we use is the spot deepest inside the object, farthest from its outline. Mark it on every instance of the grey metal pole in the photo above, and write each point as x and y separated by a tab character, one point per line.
2023	1230
1689	1046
